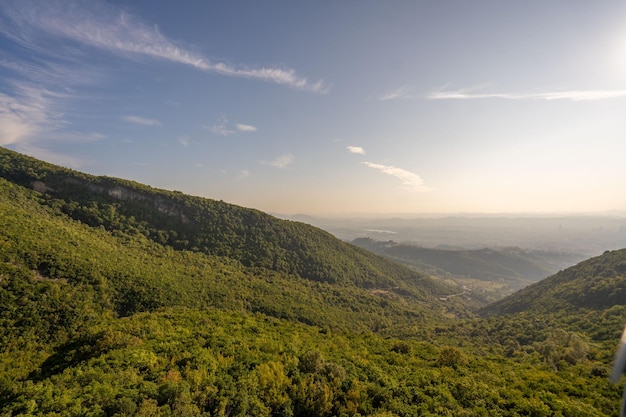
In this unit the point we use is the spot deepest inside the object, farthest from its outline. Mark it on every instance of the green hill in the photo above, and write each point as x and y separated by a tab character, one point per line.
572	319
212	227
44	250
593	285
117	299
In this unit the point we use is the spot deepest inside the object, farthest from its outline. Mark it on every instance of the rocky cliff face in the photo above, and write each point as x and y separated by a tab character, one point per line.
118	192
41	187
161	204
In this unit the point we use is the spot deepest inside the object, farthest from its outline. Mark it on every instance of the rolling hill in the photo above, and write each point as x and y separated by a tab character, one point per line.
212	227
593	285
118	299
144	248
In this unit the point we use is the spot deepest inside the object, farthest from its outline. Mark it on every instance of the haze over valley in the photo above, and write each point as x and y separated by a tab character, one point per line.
493	256
585	235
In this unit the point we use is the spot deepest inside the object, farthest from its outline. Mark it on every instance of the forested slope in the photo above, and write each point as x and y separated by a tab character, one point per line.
213	227
99	316
47	252
596	284
563	318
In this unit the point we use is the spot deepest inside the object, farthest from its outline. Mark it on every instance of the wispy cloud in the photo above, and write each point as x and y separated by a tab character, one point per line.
141	121
410	180
183	140
282	161
27	112
399	93
223	128
356	149
245	128
19	118
573	95
31	113
103	26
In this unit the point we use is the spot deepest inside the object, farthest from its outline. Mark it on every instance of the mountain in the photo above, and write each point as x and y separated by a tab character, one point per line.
510	268
564	317
117	299
212	227
151	247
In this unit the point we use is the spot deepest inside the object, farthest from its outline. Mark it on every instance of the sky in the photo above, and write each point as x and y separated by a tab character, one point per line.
328	107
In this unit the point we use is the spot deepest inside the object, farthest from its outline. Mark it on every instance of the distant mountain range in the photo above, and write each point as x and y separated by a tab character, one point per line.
511	268
588	235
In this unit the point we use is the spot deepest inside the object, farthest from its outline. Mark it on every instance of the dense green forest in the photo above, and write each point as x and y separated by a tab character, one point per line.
120	299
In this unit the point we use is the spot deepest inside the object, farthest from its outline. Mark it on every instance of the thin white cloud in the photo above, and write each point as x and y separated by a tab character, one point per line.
52	72
26	113
220	130
410	180
356	149
106	27
399	93
183	140
573	95
245	128
18	119
282	161
243	174
33	112
223	128
141	121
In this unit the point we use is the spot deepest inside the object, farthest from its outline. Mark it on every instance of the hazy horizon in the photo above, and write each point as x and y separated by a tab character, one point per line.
511	215
328	108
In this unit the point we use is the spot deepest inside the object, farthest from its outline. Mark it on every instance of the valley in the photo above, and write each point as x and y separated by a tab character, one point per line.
120	299
585	235
488	273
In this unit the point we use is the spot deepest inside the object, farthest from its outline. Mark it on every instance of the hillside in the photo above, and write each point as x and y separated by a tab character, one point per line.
509	269
596	284
212	227
563	317
128	274
111	304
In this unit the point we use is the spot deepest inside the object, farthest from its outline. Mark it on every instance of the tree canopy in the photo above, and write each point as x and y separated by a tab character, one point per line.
119	299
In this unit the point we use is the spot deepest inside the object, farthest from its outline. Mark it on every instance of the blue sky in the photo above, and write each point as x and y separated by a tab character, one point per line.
328	107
